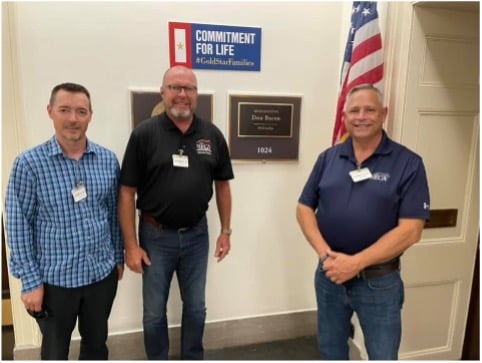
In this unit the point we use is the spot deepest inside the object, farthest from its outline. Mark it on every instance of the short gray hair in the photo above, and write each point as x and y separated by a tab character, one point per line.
361	87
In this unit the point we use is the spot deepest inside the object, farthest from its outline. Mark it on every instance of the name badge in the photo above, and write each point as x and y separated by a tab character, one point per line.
79	192
359	175
180	161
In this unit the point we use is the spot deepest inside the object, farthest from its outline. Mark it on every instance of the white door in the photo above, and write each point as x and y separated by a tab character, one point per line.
437	115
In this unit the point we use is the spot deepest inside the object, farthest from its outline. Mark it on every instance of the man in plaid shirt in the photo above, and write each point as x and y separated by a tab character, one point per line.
63	231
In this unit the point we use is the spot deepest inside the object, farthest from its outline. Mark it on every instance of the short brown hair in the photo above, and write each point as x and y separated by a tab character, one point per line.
70	87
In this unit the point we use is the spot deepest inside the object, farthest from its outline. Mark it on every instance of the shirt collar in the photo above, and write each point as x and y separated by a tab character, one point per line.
384	148
56	149
169	124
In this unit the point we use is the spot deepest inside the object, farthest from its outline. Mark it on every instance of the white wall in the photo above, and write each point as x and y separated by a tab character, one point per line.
111	47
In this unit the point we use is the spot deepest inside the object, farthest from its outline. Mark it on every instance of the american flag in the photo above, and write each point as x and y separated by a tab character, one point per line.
363	60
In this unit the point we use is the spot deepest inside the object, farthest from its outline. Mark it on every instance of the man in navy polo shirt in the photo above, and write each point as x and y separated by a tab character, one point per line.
171	162
365	202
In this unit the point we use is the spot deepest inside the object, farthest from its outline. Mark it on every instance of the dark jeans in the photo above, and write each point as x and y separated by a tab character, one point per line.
91	304
185	253
377	303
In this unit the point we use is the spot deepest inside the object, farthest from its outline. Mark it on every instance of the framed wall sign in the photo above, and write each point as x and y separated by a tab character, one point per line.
264	127
146	104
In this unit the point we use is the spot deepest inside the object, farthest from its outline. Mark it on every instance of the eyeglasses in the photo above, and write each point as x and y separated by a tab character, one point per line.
187	90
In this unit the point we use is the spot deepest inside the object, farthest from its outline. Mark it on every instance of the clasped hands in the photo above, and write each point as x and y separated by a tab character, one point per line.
340	267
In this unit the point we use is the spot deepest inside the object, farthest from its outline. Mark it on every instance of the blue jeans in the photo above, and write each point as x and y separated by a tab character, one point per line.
377	303
185	253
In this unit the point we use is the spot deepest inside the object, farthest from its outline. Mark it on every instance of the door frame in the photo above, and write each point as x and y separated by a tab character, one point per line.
400	17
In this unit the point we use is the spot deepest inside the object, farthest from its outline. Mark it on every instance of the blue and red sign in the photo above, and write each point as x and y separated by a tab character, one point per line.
205	46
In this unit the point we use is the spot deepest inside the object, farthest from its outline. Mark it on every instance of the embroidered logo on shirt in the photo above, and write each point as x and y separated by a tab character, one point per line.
383	177
203	147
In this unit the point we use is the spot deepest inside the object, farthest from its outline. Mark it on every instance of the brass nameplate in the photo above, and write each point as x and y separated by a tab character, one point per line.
440	218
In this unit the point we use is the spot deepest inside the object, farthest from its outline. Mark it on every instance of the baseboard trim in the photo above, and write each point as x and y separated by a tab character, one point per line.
230	333
260	329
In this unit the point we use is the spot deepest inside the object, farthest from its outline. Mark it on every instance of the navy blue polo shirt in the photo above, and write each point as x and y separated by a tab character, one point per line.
175	196
352	216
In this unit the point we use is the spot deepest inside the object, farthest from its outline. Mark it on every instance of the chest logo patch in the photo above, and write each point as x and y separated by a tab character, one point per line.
203	147
383	177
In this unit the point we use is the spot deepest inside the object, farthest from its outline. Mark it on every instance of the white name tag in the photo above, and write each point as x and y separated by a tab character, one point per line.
180	161
79	193
359	175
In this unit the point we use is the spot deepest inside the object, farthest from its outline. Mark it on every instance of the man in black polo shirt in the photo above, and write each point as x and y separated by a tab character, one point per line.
171	162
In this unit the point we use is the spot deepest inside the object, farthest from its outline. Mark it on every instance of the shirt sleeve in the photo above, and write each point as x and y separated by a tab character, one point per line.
131	163
116	234
224	169
415	198
20	213
310	194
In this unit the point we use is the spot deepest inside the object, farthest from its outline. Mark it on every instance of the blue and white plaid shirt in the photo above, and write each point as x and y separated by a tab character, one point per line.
52	238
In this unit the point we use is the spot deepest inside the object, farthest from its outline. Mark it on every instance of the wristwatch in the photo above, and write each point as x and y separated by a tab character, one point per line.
227	231
323	259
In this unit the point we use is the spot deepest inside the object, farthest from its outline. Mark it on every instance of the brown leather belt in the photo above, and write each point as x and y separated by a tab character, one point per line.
380	270
151	220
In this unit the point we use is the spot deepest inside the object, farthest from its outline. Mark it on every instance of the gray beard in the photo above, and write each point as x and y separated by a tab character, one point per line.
183	115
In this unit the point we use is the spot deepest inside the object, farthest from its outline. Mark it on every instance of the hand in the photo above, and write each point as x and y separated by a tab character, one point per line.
33	300
135	256
340	267
223	245
120	271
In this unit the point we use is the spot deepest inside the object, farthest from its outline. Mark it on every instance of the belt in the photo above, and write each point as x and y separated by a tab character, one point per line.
380	270
151	220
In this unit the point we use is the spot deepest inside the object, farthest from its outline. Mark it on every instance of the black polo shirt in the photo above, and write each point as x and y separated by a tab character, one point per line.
176	196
